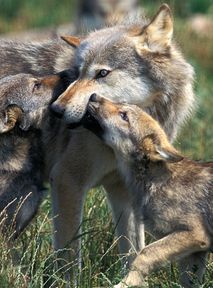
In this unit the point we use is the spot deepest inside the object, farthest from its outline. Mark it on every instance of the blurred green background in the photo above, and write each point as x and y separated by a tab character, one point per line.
24	14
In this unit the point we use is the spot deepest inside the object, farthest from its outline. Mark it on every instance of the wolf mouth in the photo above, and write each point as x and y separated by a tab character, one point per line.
74	125
90	121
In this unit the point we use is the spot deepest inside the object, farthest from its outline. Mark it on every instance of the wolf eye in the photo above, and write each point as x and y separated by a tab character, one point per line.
102	73
124	116
36	86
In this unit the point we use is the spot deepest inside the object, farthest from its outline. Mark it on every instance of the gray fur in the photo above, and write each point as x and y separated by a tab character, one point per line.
38	59
23	101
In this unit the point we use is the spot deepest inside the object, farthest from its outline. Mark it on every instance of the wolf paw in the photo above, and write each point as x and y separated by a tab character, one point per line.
123	285
132	280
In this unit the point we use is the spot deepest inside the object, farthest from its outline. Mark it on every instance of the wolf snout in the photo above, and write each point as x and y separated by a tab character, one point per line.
95	98
57	110
94	102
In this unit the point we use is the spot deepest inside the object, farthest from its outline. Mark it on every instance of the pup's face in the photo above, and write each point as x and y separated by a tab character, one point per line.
114	123
30	94
128	130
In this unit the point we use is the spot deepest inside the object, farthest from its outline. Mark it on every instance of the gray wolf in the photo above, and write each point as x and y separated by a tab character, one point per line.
23	98
136	62
171	194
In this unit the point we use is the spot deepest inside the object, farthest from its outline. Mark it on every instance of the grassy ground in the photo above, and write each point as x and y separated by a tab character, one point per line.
33	252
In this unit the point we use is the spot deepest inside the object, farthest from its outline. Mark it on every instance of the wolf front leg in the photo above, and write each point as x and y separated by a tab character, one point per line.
84	163
130	231
67	204
170	248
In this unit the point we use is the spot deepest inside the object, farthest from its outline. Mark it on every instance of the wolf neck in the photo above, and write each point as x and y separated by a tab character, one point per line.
144	176
169	111
174	99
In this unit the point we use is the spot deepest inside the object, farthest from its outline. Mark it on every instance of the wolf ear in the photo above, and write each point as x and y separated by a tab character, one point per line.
10	116
72	40
160	150
157	35
167	154
159	32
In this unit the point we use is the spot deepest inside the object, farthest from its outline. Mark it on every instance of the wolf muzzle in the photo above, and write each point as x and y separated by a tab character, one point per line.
90	121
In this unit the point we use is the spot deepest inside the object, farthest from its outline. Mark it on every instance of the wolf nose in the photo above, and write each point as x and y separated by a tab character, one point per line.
57	110
93	98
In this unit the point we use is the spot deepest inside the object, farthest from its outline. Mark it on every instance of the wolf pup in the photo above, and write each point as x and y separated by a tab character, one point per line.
171	194
23	98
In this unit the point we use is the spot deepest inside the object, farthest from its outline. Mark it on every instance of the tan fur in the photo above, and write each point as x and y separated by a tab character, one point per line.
79	87
50	81
71	40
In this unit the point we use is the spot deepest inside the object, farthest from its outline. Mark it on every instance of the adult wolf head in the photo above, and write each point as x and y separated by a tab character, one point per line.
136	63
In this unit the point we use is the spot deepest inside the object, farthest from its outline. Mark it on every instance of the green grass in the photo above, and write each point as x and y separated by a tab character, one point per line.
196	136
29	262
35	257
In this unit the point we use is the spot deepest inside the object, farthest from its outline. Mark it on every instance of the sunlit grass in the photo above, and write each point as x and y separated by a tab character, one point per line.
31	262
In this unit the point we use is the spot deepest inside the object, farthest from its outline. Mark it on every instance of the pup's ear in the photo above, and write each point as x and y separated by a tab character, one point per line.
157	151
157	35
9	118
72	40
167	154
